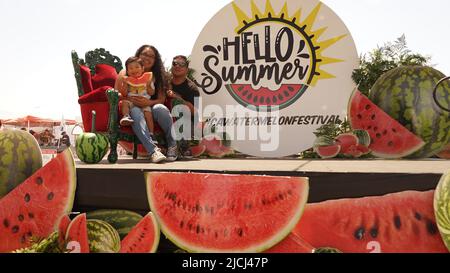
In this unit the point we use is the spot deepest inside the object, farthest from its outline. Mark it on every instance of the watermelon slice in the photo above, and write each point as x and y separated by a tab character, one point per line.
77	235
35	207
198	150
389	139
226	213
143	238
399	222
62	230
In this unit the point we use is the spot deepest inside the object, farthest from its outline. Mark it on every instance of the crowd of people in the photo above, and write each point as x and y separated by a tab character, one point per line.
145	89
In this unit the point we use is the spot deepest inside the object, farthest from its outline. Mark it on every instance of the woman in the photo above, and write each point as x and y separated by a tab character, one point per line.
152	63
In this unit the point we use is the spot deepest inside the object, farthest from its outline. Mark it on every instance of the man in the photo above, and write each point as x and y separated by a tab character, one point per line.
183	91
65	139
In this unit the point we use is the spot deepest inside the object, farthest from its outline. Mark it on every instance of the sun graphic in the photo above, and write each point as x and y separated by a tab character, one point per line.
302	27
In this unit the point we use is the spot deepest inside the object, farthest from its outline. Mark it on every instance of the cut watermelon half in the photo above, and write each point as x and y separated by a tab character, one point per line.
389	139
143	238
35	207
225	213
394	223
77	235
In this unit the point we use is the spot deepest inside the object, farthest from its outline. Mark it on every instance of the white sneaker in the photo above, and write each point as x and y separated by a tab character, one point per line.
157	156
126	120
172	153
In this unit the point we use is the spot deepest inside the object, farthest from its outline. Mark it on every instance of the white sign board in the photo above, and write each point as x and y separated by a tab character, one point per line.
271	72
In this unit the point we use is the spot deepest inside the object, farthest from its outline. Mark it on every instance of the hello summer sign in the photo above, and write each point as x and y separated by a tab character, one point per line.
270	72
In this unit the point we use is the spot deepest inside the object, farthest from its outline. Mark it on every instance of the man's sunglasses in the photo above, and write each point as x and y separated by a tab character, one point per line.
181	64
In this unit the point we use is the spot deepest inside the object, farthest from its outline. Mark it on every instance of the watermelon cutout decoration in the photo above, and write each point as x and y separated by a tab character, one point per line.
128	147
264	98
389	139
214	146
225	213
406	95
91	147
328	151
77	236
35	207
396	223
442	208
143	238
103	238
121	220
20	157
62	230
198	150
346	141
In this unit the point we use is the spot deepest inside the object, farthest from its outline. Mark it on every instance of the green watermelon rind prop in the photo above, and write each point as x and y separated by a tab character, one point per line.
122	220
264	98
406	94
25	211
249	213
103	238
441	204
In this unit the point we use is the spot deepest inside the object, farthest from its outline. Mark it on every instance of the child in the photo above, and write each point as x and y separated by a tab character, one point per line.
137	83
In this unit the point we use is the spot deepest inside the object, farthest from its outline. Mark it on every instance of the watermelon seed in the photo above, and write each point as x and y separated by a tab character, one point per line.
369	127
289	192
280	96
27	198
240	88
286	93
181	224
179	203
359	116
249	97
390	143
255	99
274	99
39	180
240	232
359	233
378	135
197	229
6	223
367	107
20	217
385	132
268	101
397	222
375	129
15	229
291	88
31	215
431	227
373	117
23	239
29	234
184	204
216	234
50	196
261	100
245	93
374	232
418	216
190	226
393	130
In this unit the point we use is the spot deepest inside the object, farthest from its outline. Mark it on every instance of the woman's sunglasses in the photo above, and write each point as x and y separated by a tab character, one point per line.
180	64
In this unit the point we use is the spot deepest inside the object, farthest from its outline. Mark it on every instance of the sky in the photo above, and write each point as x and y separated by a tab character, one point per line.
37	37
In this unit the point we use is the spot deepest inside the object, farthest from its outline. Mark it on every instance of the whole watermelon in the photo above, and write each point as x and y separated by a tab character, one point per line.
406	94
91	147
20	157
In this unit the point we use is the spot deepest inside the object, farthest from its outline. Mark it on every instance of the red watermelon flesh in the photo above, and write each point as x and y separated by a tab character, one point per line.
35	207
327	151
198	150
396	223
211	142
62	229
77	235
142	238
225	213
346	141
389	139
291	244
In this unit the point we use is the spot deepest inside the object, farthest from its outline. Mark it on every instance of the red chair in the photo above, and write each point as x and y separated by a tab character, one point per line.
95	77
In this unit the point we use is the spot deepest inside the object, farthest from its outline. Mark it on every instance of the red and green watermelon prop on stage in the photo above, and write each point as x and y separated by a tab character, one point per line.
214	147
225	213
406	95
35	207
442	208
20	157
389	139
77	235
264	98
397	223
143	238
91	147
